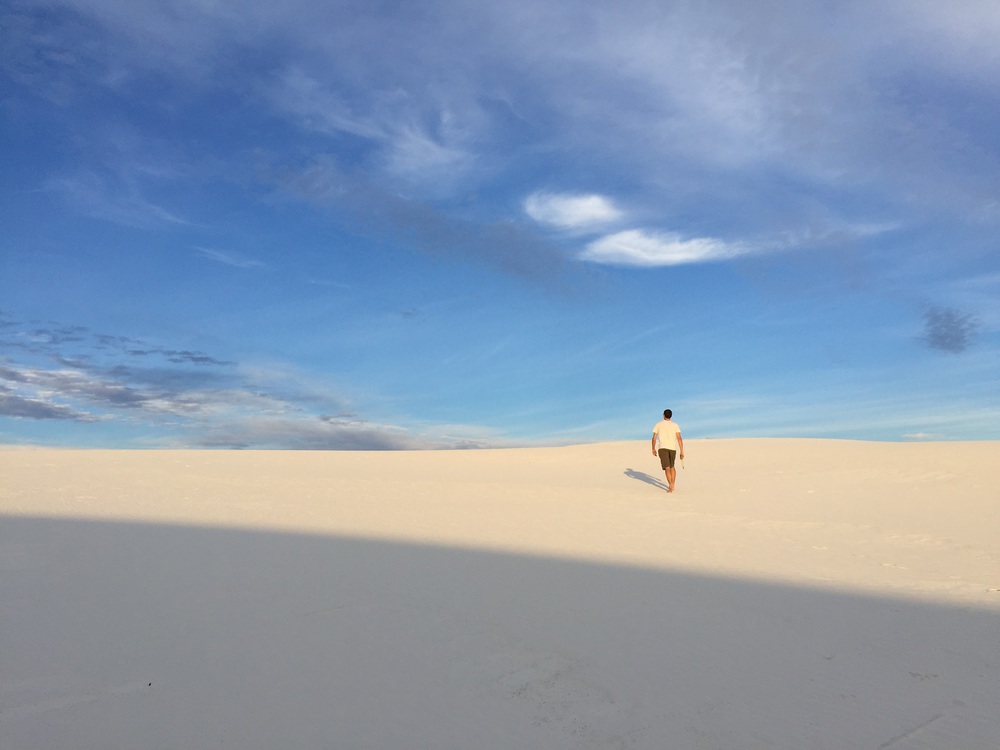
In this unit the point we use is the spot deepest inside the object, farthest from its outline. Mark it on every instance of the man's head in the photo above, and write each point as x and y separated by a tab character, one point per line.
667	414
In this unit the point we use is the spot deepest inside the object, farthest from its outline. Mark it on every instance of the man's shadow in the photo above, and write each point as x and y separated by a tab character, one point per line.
633	474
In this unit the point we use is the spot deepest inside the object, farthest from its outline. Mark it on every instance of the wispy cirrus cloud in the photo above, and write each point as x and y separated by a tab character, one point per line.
116	199
420	157
318	106
646	84
403	141
229	258
679	98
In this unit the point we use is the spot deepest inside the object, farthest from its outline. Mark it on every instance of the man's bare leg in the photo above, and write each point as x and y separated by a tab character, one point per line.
671	478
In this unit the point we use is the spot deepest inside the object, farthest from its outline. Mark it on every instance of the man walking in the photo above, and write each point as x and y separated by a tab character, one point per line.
668	435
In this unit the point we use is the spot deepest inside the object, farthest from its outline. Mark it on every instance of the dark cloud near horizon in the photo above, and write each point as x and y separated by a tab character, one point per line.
308	433
51	364
948	330
69	374
28	408
95	389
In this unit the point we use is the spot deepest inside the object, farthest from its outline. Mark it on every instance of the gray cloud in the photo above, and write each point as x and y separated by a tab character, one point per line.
179	357
29	408
948	330
94	388
12	375
376	211
62	372
52	341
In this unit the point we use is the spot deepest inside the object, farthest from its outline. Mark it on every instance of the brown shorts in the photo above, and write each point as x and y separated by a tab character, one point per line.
667	457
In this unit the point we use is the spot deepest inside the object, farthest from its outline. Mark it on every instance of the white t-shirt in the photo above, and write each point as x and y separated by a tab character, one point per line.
666	434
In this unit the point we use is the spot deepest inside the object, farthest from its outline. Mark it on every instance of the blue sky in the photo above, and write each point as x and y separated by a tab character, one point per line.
318	224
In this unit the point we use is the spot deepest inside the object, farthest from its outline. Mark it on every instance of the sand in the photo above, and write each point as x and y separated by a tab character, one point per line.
790	594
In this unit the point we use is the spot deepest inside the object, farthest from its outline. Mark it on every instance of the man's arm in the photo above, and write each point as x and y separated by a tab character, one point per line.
680	444
654	443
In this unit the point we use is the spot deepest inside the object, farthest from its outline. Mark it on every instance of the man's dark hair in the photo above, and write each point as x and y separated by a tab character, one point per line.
667	414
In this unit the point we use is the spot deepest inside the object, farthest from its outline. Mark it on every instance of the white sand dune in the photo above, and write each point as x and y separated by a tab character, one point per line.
791	594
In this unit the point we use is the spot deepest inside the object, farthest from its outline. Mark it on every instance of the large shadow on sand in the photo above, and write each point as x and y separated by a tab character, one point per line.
148	636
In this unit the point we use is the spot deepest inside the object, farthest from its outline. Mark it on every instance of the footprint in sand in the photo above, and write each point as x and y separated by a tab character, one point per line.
554	690
40	706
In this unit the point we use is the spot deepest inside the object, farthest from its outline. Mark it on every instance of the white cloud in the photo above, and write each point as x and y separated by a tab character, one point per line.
960	37
425	148
317	106
571	211
636	247
923	436
229	258
415	155
117	199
